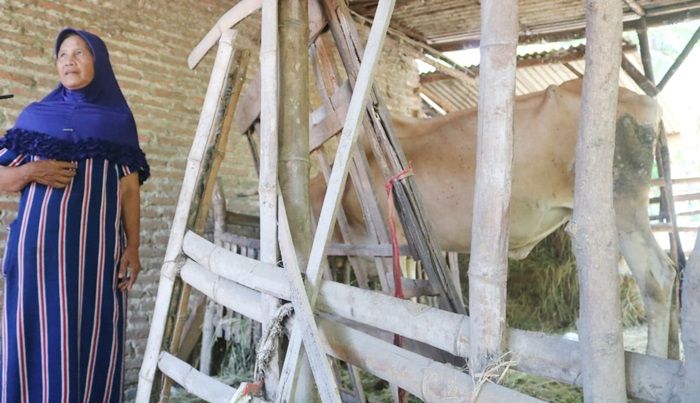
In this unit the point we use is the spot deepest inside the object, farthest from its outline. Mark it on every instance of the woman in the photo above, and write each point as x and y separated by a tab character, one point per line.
72	253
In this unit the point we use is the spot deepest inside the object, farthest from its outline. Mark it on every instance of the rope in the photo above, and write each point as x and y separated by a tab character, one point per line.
395	253
266	349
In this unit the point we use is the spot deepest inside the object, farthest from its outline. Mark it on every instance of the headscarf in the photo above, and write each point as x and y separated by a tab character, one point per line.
91	122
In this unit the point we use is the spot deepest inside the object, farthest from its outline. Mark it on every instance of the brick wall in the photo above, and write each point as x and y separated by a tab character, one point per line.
149	42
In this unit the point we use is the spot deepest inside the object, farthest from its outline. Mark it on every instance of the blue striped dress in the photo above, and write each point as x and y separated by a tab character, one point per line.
63	317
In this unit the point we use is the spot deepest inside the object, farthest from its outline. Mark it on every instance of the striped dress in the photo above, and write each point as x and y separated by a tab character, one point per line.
63	316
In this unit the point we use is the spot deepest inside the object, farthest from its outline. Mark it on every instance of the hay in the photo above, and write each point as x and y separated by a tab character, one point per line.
543	292
542	388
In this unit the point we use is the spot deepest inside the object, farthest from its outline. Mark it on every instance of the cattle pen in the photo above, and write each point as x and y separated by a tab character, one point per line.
376	326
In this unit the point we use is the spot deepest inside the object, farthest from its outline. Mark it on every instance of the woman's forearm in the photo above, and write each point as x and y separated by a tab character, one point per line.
131	209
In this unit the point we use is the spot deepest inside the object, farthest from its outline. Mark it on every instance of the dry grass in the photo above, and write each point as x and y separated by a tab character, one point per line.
543	292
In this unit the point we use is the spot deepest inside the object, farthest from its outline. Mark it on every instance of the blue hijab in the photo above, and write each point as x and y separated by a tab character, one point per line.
92	122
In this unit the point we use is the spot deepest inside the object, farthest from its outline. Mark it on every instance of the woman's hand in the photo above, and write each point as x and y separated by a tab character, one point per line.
129	267
52	173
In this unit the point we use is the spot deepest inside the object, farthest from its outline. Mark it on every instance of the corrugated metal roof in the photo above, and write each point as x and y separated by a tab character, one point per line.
453	94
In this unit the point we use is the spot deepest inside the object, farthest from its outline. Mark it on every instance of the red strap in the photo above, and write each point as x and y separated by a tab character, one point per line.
398	288
253	388
389	186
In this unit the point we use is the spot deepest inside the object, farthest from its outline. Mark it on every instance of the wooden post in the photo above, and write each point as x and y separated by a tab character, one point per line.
593	224
267	184
336	183
690	322
488	265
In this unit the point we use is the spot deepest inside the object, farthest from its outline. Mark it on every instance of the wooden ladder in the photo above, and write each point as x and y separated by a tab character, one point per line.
189	259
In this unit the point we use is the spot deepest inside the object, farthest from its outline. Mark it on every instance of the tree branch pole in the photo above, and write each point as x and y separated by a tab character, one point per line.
592	227
690	322
488	265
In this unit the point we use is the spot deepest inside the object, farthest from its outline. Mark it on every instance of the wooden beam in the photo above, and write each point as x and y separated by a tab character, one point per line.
644	49
640	79
592	227
679	60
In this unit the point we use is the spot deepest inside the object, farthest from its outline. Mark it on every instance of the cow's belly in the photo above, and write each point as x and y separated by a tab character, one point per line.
531	221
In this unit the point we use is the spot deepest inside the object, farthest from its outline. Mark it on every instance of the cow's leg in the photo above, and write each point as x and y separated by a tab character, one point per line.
655	276
653	270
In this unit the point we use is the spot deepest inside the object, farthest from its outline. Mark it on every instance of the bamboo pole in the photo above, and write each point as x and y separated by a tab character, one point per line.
194	381
592	227
336	183
211	161
690	322
294	165
230	19
428	380
305	329
170	285
269	99
649	378
488	265
267	184
205	354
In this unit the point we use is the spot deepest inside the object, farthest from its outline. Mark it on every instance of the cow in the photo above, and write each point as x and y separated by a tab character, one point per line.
443	155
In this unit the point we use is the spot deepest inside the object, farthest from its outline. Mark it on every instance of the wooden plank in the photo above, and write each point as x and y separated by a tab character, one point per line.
170	285
236	14
488	263
329	123
248	111
593	223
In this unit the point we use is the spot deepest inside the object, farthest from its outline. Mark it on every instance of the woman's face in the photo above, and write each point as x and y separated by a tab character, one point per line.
75	64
